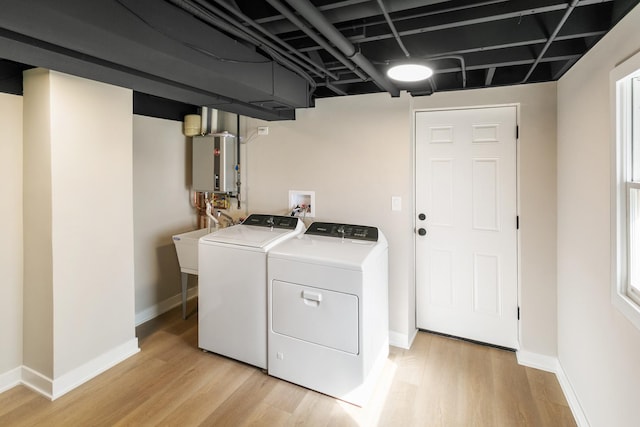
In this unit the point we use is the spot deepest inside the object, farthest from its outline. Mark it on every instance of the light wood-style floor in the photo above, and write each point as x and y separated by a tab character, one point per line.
438	382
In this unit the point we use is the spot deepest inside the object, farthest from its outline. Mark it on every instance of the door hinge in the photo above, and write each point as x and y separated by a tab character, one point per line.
517	132
517	222
518	313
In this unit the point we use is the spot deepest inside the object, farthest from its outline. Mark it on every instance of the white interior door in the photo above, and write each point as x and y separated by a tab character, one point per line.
466	213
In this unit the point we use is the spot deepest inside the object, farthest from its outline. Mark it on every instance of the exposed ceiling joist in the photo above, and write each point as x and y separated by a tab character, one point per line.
266	59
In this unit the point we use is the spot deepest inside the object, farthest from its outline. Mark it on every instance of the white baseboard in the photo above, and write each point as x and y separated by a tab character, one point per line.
538	361
397	339
572	398
37	382
93	368
163	306
10	379
53	389
552	364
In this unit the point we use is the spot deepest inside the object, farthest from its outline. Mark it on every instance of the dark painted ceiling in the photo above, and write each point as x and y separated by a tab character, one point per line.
266	58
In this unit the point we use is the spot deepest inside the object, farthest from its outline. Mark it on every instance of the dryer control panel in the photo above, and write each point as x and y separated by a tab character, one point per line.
347	231
275	221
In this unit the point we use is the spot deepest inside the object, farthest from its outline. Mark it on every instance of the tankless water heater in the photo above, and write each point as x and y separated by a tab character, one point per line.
215	158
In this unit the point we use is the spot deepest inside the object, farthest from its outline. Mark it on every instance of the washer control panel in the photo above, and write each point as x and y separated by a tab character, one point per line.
275	221
347	231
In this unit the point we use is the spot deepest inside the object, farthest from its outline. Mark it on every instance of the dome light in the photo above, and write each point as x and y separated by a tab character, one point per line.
409	72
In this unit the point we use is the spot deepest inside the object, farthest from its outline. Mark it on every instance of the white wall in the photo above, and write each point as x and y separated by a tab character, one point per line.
598	348
79	293
11	232
161	208
356	152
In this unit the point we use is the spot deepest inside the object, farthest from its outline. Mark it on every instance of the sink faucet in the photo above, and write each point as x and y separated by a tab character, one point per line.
229	219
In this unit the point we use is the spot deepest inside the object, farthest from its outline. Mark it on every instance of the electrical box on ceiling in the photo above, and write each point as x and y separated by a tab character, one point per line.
215	158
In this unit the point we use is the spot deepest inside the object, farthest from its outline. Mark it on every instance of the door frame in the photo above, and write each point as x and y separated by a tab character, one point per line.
414	112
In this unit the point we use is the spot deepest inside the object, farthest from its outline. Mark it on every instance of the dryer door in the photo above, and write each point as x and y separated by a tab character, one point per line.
316	315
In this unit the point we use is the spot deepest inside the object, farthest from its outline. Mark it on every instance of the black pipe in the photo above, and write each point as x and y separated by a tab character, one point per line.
305	29
208	17
317	19
287	46
553	36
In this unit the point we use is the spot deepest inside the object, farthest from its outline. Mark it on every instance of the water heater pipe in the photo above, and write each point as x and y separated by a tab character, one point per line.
238	160
210	215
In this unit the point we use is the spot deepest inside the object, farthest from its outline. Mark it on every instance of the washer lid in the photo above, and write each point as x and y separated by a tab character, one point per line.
343	253
250	236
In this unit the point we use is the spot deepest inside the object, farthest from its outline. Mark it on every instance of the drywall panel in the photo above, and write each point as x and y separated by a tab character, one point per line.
161	207
38	268
92	217
598	347
355	153
11	231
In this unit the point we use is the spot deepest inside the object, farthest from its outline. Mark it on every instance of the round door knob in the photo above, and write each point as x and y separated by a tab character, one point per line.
422	231
422	217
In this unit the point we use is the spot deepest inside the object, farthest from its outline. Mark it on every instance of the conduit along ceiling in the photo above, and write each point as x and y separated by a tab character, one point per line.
266	58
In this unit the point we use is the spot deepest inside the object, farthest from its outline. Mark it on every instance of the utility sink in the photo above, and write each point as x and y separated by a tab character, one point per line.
187	249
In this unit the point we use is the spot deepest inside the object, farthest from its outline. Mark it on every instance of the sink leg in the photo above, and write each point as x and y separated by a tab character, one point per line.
185	281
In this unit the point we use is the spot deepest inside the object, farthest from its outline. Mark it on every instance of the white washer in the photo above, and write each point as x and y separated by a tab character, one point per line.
232	286
328	310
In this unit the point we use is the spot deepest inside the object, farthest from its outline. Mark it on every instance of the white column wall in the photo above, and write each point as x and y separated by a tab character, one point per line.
11	263
79	276
92	215
598	347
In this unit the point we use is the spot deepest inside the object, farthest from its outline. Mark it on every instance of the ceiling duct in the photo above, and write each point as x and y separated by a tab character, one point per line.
144	45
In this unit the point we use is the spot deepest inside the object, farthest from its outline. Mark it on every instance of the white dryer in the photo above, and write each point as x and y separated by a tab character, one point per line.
328	310
232	286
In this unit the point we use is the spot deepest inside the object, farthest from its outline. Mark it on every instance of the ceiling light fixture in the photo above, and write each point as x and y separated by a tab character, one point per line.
409	72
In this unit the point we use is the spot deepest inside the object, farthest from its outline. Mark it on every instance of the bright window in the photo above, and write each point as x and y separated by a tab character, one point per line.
625	213
633	193
634	242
